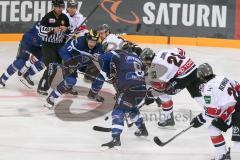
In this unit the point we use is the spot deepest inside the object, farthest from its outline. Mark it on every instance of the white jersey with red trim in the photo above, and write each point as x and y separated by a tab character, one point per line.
112	42
218	98
171	63
75	21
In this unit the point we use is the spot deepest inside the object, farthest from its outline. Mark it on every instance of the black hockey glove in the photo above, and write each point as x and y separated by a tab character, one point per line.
149	98
149	101
220	124
197	121
171	88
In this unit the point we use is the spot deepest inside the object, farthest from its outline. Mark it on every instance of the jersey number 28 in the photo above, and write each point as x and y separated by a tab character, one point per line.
175	59
232	92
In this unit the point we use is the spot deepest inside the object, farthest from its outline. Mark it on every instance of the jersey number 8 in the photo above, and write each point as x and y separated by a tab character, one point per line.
138	69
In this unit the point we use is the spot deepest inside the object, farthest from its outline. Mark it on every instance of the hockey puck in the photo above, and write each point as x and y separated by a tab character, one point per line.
106	118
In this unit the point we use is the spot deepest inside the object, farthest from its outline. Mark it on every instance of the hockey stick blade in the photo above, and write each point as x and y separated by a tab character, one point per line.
161	144
25	83
102	129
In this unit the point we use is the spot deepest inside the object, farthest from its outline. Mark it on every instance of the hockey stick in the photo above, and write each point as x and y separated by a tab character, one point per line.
102	129
105	129
88	16
91	13
95	77
161	144
138	28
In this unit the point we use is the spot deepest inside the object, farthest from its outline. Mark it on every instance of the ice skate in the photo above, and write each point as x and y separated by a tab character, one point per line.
167	122
114	144
142	131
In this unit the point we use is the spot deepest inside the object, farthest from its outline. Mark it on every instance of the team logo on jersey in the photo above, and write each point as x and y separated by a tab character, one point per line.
235	130
62	22
52	20
207	99
112	11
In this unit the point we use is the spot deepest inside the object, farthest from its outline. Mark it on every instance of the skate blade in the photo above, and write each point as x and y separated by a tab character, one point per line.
2	87
46	105
25	83
167	127
116	148
142	136
145	138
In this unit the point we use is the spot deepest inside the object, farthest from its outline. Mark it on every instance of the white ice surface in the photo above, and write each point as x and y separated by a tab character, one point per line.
31	132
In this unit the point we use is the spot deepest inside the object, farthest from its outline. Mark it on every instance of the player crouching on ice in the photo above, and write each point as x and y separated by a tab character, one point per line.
219	98
77	55
168	71
28	61
128	71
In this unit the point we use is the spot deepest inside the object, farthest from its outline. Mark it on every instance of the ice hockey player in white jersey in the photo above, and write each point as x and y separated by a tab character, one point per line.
169	71
75	18
109	40
219	99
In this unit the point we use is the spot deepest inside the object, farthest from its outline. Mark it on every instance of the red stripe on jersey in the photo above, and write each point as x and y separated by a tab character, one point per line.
183	69
181	52
159	85
227	113
217	139
167	104
237	88
213	111
81	28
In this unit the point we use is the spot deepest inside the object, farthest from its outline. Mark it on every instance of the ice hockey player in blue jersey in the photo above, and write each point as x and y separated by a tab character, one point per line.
77	55
128	71
28	60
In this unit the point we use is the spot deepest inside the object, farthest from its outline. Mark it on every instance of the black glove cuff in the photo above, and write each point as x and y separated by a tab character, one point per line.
198	121
220	124
201	119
